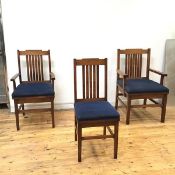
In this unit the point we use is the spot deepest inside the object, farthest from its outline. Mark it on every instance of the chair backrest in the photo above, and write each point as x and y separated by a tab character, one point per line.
131	62
34	65
88	75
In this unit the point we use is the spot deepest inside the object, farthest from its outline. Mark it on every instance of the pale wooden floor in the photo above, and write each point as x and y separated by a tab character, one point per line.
146	146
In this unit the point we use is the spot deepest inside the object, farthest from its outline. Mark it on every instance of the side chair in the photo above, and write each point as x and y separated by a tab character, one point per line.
91	106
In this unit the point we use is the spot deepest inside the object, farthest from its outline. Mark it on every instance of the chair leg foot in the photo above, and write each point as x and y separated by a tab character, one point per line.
53	122
75	136
128	117
17	127
162	121
127	122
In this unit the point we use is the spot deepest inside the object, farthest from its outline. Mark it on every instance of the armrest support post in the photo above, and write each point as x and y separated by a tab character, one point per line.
123	75
52	78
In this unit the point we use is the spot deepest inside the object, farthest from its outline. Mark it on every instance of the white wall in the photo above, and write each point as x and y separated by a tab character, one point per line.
85	28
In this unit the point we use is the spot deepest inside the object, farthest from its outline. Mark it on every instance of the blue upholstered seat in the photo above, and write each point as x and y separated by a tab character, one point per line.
100	110
143	85
33	89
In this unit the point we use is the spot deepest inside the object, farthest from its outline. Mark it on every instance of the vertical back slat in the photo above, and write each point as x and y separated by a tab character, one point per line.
42	74
90	71
83	80
97	81
132	65
94	81
27	62
39	68
126	63
30	68
87	81
140	71
33	66
129	65
36	67
137	66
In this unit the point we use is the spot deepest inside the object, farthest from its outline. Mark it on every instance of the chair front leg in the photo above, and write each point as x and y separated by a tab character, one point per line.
52	113
128	110
75	128
163	111
17	116
79	142
116	139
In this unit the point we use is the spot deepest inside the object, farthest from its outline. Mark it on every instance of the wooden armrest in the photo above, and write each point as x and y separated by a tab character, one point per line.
14	77
157	72
52	76
121	73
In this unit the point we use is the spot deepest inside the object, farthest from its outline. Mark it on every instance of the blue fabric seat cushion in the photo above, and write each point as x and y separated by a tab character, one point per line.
33	89
143	85
99	110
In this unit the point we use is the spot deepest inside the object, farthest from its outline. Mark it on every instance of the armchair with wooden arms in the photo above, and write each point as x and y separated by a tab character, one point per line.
36	83
132	84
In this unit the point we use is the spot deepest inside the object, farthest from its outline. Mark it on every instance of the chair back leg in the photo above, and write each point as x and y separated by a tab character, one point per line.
23	109
163	111
116	100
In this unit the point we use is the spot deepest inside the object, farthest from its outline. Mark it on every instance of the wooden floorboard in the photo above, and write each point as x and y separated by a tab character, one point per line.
146	146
